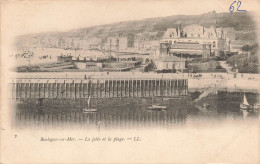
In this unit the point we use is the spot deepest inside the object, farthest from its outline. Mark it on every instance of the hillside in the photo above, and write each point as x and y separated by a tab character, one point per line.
242	23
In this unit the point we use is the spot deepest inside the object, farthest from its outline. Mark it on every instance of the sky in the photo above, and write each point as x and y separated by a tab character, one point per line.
23	17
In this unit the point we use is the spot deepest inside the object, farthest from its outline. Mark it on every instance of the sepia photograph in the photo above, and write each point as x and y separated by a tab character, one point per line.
130	81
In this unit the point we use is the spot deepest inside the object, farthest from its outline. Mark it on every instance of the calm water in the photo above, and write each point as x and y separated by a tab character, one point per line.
131	113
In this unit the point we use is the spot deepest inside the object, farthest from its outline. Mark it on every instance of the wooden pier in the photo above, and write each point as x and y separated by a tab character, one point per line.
98	88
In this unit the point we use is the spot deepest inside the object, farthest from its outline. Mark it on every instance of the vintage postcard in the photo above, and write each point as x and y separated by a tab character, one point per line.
156	81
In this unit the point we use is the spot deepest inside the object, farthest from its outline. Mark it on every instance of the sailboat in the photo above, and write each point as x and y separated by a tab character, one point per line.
88	109
245	105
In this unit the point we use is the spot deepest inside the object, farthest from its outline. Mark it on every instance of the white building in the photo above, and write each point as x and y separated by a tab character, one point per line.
170	63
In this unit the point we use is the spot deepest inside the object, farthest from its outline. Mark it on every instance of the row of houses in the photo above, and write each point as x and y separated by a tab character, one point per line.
114	42
62	42
129	41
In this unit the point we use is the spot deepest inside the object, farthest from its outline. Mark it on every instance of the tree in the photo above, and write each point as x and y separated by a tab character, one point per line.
193	68
246	48
222	55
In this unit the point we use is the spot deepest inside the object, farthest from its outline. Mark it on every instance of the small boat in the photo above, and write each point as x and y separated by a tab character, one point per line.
157	107
246	106
88	109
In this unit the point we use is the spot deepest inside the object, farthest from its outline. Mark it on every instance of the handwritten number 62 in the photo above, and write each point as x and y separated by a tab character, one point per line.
231	8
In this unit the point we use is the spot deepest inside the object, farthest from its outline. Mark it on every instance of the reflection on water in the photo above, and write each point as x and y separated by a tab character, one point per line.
107	116
130	113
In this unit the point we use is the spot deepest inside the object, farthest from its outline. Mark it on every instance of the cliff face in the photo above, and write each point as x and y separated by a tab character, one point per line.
241	22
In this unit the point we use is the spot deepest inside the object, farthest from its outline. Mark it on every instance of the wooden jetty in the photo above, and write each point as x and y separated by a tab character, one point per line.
97	88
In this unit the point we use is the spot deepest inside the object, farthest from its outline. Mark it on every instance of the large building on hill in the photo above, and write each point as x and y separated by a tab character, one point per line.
196	40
